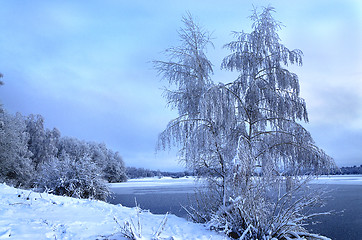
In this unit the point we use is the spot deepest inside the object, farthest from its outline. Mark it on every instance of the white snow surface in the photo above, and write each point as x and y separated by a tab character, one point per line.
155	182
25	214
339	179
29	215
189	181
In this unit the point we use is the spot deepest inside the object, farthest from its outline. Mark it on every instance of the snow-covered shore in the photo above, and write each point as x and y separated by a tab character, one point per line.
339	179
29	215
189	181
155	182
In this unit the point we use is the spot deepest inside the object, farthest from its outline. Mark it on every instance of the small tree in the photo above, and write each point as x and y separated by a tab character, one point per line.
244	136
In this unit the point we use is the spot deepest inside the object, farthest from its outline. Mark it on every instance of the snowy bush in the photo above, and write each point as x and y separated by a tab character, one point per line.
70	167
109	163
262	214
72	177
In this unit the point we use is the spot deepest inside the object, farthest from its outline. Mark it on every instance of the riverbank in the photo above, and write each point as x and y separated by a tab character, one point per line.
28	215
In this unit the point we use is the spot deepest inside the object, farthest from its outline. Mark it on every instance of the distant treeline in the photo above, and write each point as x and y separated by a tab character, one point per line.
350	170
133	172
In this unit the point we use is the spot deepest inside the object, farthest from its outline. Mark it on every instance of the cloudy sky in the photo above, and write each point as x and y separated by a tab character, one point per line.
86	67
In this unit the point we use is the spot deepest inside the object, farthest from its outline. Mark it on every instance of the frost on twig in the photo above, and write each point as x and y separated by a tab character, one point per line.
130	230
160	228
133	231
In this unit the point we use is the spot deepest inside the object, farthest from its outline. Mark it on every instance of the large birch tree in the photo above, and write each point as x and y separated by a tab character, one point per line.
232	132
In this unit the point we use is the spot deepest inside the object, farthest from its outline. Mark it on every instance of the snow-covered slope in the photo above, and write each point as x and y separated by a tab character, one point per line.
29	215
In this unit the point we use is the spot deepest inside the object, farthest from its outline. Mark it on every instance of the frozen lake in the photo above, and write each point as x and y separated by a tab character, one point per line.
157	195
167	195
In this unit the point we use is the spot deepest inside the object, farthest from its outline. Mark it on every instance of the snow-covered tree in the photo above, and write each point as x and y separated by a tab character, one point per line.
42	142
190	71
233	132
110	162
77	170
15	163
74	177
188	68
75	148
115	170
266	99
32	156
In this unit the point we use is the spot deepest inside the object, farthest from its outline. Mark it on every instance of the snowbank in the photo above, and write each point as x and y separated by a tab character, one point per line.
155	182
339	179
29	215
190	181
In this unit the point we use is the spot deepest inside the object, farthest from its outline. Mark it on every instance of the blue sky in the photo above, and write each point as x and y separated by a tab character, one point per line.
86	67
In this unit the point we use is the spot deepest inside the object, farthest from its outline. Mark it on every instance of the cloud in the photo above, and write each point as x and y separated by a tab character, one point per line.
336	106
85	66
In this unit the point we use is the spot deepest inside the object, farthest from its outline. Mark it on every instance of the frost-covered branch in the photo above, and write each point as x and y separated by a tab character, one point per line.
243	136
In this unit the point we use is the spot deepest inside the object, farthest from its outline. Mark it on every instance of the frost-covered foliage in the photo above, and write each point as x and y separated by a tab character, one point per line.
110	162
244	136
68	176
32	156
15	163
42	142
81	169
132	231
188	69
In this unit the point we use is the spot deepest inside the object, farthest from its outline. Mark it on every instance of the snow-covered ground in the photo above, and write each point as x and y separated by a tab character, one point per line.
155	181
155	184
29	215
189	181
339	179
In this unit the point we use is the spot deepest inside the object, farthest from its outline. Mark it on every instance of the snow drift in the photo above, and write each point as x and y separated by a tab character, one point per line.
29	215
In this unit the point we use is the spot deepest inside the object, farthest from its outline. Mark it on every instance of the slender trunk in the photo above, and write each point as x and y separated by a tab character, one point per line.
223	168
249	168
288	183
223	187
